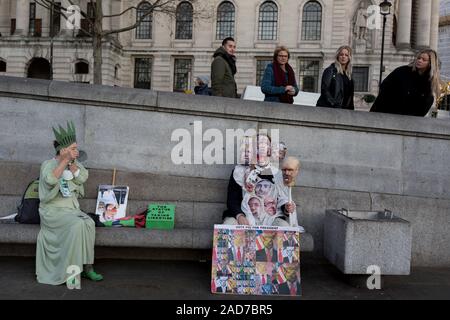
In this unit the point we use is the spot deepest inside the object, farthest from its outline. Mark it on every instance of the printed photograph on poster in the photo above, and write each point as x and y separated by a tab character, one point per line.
111	202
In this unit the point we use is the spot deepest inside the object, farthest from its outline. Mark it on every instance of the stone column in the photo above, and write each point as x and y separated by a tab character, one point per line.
423	24
22	17
106	9
434	30
404	24
5	19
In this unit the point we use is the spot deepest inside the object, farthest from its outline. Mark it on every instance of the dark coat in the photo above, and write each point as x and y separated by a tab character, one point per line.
222	76
268	87
405	92
332	91
202	90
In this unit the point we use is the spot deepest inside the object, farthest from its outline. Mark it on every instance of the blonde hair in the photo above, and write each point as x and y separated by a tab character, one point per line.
434	75
349	68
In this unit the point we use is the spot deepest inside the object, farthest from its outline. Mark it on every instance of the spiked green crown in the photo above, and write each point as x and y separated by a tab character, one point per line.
65	138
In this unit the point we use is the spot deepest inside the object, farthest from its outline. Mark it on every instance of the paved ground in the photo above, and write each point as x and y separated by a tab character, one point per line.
133	279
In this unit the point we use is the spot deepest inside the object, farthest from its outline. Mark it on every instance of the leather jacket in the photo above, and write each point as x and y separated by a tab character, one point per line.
332	92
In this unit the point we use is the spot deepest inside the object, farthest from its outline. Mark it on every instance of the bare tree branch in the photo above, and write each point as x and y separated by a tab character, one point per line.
119	14
153	7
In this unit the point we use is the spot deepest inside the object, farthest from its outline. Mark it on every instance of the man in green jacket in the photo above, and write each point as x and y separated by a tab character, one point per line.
223	70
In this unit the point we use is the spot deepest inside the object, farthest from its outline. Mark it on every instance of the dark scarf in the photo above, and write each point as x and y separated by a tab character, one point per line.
231	60
280	80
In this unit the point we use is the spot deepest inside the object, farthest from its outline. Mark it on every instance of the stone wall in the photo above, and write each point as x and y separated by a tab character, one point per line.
356	160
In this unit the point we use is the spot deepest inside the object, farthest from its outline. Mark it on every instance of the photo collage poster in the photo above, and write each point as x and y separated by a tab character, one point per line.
256	260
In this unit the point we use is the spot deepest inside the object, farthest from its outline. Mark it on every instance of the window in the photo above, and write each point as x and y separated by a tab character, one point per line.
143	73
116	71
445	105
268	21
225	20
182	75
32	27
261	64
361	79
13	26
184	21
309	74
144	29
85	24
81	67
56	21
2	66
312	21
35	27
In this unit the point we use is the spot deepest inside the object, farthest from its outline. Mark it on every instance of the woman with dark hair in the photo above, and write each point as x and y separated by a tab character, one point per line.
410	90
278	83
337	83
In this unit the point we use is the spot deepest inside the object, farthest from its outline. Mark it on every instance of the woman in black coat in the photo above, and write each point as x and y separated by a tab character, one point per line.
410	90
337	83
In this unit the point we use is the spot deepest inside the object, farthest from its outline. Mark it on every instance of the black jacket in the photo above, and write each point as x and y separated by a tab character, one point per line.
405	92
332	92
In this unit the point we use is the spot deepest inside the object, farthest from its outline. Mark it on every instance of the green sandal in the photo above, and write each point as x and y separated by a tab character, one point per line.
92	275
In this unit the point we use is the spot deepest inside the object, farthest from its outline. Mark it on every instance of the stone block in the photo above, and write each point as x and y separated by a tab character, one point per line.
355	240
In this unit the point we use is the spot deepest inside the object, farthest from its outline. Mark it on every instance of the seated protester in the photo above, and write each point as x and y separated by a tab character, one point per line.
279	152
67	234
256	181
234	215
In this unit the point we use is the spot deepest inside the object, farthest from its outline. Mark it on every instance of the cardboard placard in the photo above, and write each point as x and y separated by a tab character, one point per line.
160	216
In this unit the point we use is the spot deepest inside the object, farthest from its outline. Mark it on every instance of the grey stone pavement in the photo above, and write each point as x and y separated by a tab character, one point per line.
145	279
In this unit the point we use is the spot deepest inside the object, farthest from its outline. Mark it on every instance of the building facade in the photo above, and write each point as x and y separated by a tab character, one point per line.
444	39
166	52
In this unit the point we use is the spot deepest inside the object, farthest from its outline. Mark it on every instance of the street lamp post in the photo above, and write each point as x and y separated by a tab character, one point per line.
385	10
51	38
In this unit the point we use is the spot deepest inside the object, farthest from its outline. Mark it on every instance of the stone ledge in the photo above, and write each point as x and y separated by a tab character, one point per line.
128	98
14	233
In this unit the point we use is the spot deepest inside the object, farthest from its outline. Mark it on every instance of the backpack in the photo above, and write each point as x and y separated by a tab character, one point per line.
28	210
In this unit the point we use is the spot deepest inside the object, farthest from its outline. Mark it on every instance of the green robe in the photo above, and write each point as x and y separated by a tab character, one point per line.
67	235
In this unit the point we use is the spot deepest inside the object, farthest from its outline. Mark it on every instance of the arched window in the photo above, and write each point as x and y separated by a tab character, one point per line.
81	67
225	20
116	71
268	21
184	17
2	66
144	29
312	21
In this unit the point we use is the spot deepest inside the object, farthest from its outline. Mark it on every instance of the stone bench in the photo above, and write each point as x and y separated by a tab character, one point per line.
199	205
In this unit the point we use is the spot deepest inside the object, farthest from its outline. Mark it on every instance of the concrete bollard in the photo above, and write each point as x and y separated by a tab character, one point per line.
358	241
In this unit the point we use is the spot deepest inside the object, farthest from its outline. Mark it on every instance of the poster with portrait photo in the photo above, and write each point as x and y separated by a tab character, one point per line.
111	202
254	260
